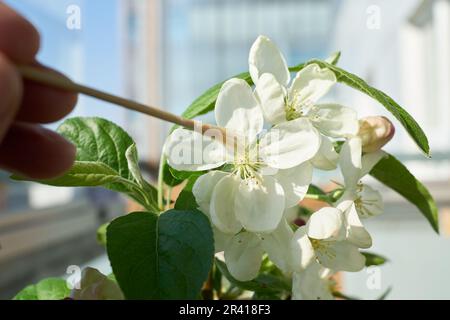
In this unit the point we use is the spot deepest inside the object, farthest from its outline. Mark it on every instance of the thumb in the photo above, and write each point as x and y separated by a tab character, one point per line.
10	94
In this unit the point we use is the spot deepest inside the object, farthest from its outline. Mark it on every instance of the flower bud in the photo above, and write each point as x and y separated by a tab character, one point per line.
375	132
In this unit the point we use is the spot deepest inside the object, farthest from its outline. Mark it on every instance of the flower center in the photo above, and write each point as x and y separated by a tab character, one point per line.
296	106
247	166
323	247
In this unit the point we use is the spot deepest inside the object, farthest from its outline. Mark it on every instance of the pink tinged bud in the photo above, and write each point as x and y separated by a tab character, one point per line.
375	132
299	222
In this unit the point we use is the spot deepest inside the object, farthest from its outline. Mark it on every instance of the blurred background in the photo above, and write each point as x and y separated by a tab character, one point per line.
167	52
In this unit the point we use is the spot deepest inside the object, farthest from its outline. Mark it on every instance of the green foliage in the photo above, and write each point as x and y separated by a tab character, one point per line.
101	234
396	176
408	122
107	157
161	257
373	259
47	289
264	284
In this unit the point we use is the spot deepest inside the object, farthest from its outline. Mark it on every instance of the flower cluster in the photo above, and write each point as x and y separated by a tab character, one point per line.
251	184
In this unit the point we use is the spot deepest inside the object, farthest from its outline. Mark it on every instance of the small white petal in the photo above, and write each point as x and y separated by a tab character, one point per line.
356	233
265	57
272	98
334	120
277	245
289	144
188	150
311	84
237	109
310	285
371	202
203	189
295	182
326	224
243	256
370	160
222	209
327	157
221	240
350	162
259	205
341	256
302	251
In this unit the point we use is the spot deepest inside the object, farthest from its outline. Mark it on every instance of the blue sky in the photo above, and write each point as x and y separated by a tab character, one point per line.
90	55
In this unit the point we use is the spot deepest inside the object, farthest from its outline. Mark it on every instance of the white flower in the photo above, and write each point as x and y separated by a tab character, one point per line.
333	237
96	286
281	102
313	283
355	166
243	250
269	172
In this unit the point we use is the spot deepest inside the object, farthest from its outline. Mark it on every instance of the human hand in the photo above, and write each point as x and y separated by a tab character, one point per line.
26	147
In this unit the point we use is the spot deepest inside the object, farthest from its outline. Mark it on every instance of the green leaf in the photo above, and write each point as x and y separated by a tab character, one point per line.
161	257
168	177
263	283
101	234
107	157
396	176
206	102
334	58
186	201
373	259
99	140
47	289
408	122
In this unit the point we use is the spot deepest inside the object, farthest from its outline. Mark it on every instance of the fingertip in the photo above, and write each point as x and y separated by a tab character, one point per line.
35	152
10	93
19	39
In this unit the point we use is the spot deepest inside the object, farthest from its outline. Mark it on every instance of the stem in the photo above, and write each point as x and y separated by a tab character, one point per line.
318	197
60	82
161	182
169	197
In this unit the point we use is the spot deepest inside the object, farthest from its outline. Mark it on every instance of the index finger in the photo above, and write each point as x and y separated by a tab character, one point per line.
19	40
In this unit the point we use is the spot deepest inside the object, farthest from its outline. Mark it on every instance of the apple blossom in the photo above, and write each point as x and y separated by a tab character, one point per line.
283	102
354	166
375	132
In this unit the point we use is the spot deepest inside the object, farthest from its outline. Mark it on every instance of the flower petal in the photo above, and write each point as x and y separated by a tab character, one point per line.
221	240
289	144
265	57
271	96
370	160
326	224
222	209
203	189
259	205
350	162
334	120
371	202
243	256
309	285
327	157
295	182
188	150
237	109
341	256
312	83
276	244
302	251
356	233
